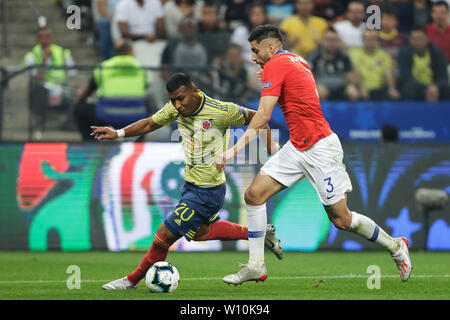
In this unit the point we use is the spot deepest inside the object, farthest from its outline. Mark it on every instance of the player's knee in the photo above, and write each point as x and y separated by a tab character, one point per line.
251	198
341	223
166	233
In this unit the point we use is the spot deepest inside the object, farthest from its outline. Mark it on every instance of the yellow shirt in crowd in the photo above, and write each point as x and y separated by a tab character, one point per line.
372	67
305	35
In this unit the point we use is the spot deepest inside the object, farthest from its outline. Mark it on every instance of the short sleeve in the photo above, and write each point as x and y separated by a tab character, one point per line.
236	116
272	80
158	9
166	115
121	12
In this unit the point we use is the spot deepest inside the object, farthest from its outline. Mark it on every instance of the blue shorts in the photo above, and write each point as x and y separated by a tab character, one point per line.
197	206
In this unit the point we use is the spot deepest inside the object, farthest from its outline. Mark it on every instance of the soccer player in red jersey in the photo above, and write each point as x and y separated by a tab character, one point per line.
313	152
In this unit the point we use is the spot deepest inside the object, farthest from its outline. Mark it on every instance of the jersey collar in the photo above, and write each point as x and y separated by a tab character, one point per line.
282	51
201	104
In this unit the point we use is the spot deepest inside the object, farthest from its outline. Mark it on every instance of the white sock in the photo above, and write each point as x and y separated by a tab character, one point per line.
257	222
368	229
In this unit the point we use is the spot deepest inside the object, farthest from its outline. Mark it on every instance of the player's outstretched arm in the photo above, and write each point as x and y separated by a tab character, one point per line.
259	121
135	129
265	133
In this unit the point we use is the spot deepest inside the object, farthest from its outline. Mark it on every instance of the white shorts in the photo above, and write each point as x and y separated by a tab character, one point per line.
321	164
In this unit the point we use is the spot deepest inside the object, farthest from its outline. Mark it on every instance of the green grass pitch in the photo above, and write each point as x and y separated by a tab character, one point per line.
300	275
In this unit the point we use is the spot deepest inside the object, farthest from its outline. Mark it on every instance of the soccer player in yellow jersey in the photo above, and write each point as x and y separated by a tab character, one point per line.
204	125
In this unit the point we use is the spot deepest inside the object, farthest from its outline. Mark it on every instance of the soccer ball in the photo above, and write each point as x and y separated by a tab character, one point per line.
162	277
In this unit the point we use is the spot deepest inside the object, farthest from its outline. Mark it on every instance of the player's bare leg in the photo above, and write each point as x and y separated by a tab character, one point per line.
158	251
228	231
164	238
256	196
347	220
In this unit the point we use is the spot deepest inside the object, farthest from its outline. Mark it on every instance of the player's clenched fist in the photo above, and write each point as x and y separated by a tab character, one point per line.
102	133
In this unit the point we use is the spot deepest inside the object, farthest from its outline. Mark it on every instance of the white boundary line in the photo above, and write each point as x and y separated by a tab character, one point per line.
318	277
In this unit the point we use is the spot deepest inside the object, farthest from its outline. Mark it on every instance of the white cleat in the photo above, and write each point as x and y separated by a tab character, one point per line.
272	243
119	284
247	274
402	259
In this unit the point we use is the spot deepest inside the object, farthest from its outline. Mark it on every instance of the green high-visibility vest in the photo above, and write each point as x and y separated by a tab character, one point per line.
120	76
59	56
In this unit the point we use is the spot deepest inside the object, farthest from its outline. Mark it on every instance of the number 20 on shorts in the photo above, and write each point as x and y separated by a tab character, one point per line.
184	212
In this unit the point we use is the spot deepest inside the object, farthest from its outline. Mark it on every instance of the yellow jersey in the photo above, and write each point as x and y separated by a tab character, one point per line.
305	35
372	67
205	135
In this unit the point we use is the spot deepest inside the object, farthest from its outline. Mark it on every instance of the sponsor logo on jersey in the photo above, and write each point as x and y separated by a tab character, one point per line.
266	85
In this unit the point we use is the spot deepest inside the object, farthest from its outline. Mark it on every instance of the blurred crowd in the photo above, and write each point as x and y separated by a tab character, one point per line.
403	53
357	50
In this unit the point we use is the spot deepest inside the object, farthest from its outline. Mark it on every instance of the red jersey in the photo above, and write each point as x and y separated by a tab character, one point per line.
440	38
289	77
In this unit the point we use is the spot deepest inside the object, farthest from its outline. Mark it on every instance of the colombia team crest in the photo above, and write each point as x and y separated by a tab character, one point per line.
206	125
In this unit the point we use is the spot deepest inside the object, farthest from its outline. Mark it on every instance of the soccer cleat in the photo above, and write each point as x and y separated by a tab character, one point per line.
402	259
272	242
119	284
247	274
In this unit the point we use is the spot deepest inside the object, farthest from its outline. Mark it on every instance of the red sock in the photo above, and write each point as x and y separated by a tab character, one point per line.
158	252
224	230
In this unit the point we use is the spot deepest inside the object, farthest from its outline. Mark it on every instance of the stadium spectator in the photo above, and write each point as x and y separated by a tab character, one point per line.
391	39
212	35
236	13
405	14
423	69
332	11
439	29
176	10
333	70
49	86
279	10
304	30
350	30
140	20
421	13
389	134
257	16
374	67
184	52
120	84
106	9
231	80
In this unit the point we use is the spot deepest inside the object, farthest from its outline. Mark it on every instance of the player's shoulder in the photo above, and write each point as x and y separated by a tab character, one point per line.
216	105
168	108
284	60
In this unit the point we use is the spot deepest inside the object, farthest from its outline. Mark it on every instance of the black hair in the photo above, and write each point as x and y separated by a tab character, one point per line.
440	3
123	47
355	1
390	11
177	80
419	28
266	31
389	133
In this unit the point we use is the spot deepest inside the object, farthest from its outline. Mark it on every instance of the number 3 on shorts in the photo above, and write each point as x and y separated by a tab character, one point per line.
330	185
